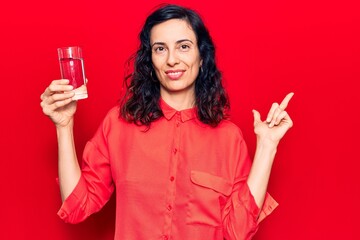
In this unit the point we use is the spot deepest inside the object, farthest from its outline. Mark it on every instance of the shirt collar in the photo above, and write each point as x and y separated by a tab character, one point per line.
169	112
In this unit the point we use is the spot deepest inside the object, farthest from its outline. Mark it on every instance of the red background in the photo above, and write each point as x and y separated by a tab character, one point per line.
265	50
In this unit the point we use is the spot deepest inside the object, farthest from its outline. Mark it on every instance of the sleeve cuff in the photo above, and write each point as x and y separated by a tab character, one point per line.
248	201
269	205
73	201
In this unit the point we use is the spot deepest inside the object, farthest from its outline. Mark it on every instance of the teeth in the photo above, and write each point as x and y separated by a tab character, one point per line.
174	73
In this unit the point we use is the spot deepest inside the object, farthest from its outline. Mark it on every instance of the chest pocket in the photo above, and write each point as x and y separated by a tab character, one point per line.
208	195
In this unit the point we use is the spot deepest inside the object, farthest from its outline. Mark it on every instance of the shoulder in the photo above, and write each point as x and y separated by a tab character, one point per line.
113	113
112	118
227	125
228	129
113	121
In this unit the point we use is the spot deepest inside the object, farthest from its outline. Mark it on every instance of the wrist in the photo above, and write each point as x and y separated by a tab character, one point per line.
267	146
67	127
267	143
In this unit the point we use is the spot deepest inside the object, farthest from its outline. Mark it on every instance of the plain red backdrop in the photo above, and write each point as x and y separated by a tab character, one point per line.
265	49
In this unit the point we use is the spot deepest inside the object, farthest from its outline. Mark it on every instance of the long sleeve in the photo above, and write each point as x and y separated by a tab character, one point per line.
95	186
181	179
241	216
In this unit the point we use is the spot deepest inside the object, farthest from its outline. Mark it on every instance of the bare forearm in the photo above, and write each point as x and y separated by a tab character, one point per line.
260	171
69	170
269	133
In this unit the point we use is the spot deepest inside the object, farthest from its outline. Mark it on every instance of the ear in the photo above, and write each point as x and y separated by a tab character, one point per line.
201	62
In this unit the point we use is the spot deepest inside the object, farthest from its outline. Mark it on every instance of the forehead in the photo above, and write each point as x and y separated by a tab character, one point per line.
172	31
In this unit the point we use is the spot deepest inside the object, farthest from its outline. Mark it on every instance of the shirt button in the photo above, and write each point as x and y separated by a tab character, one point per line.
165	237
172	178
175	150
177	124
169	207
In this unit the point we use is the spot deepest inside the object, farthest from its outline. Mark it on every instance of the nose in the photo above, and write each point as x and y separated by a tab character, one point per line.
172	59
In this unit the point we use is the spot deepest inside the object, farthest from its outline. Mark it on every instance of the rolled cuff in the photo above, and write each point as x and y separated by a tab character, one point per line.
248	201
72	207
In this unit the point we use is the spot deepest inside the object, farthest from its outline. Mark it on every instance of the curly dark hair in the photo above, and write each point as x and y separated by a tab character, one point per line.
141	101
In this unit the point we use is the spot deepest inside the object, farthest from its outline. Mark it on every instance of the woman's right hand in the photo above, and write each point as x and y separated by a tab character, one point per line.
57	102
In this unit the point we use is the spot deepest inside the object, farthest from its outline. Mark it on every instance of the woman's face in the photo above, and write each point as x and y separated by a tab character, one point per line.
175	57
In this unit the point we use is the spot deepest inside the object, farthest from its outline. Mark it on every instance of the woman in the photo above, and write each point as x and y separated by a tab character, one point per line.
180	169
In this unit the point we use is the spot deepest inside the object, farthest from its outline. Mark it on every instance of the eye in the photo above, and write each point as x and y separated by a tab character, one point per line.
159	49
184	47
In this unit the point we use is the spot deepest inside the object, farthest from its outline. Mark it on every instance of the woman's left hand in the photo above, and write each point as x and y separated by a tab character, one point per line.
277	122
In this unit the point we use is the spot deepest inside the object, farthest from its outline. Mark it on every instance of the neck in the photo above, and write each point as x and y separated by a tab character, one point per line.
179	101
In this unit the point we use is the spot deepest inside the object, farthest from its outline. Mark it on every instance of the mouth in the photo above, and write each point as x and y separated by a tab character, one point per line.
174	74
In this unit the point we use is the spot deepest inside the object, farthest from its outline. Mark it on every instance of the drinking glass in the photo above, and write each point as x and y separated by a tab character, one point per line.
72	68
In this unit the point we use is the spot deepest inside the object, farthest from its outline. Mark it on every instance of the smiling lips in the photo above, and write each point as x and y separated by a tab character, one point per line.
174	74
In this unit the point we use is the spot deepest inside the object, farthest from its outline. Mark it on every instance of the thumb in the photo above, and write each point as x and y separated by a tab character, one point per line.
257	117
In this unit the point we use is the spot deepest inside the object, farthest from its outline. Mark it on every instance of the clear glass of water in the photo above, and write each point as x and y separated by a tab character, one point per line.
72	68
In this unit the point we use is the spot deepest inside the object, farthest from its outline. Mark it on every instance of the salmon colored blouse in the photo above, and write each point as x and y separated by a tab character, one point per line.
179	180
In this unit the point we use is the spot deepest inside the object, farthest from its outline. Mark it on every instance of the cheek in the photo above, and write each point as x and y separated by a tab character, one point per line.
193	61
195	73
157	63
196	66
157	68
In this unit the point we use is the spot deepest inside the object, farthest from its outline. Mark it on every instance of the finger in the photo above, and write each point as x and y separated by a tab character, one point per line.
54	89
55	84
60	86
61	81
274	117
50	109
49	102
280	117
271	113
60	96
62	103
257	117
58	104
286	101
289	120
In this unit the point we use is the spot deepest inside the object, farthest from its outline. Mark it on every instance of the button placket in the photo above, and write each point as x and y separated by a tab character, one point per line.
171	189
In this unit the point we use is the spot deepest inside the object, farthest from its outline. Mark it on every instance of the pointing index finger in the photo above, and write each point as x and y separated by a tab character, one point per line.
286	101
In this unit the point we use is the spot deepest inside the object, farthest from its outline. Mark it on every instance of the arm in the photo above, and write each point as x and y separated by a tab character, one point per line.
83	190
69	170
241	215
269	133
57	104
249	202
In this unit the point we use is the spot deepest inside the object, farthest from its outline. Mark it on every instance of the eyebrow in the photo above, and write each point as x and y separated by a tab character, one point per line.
177	42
